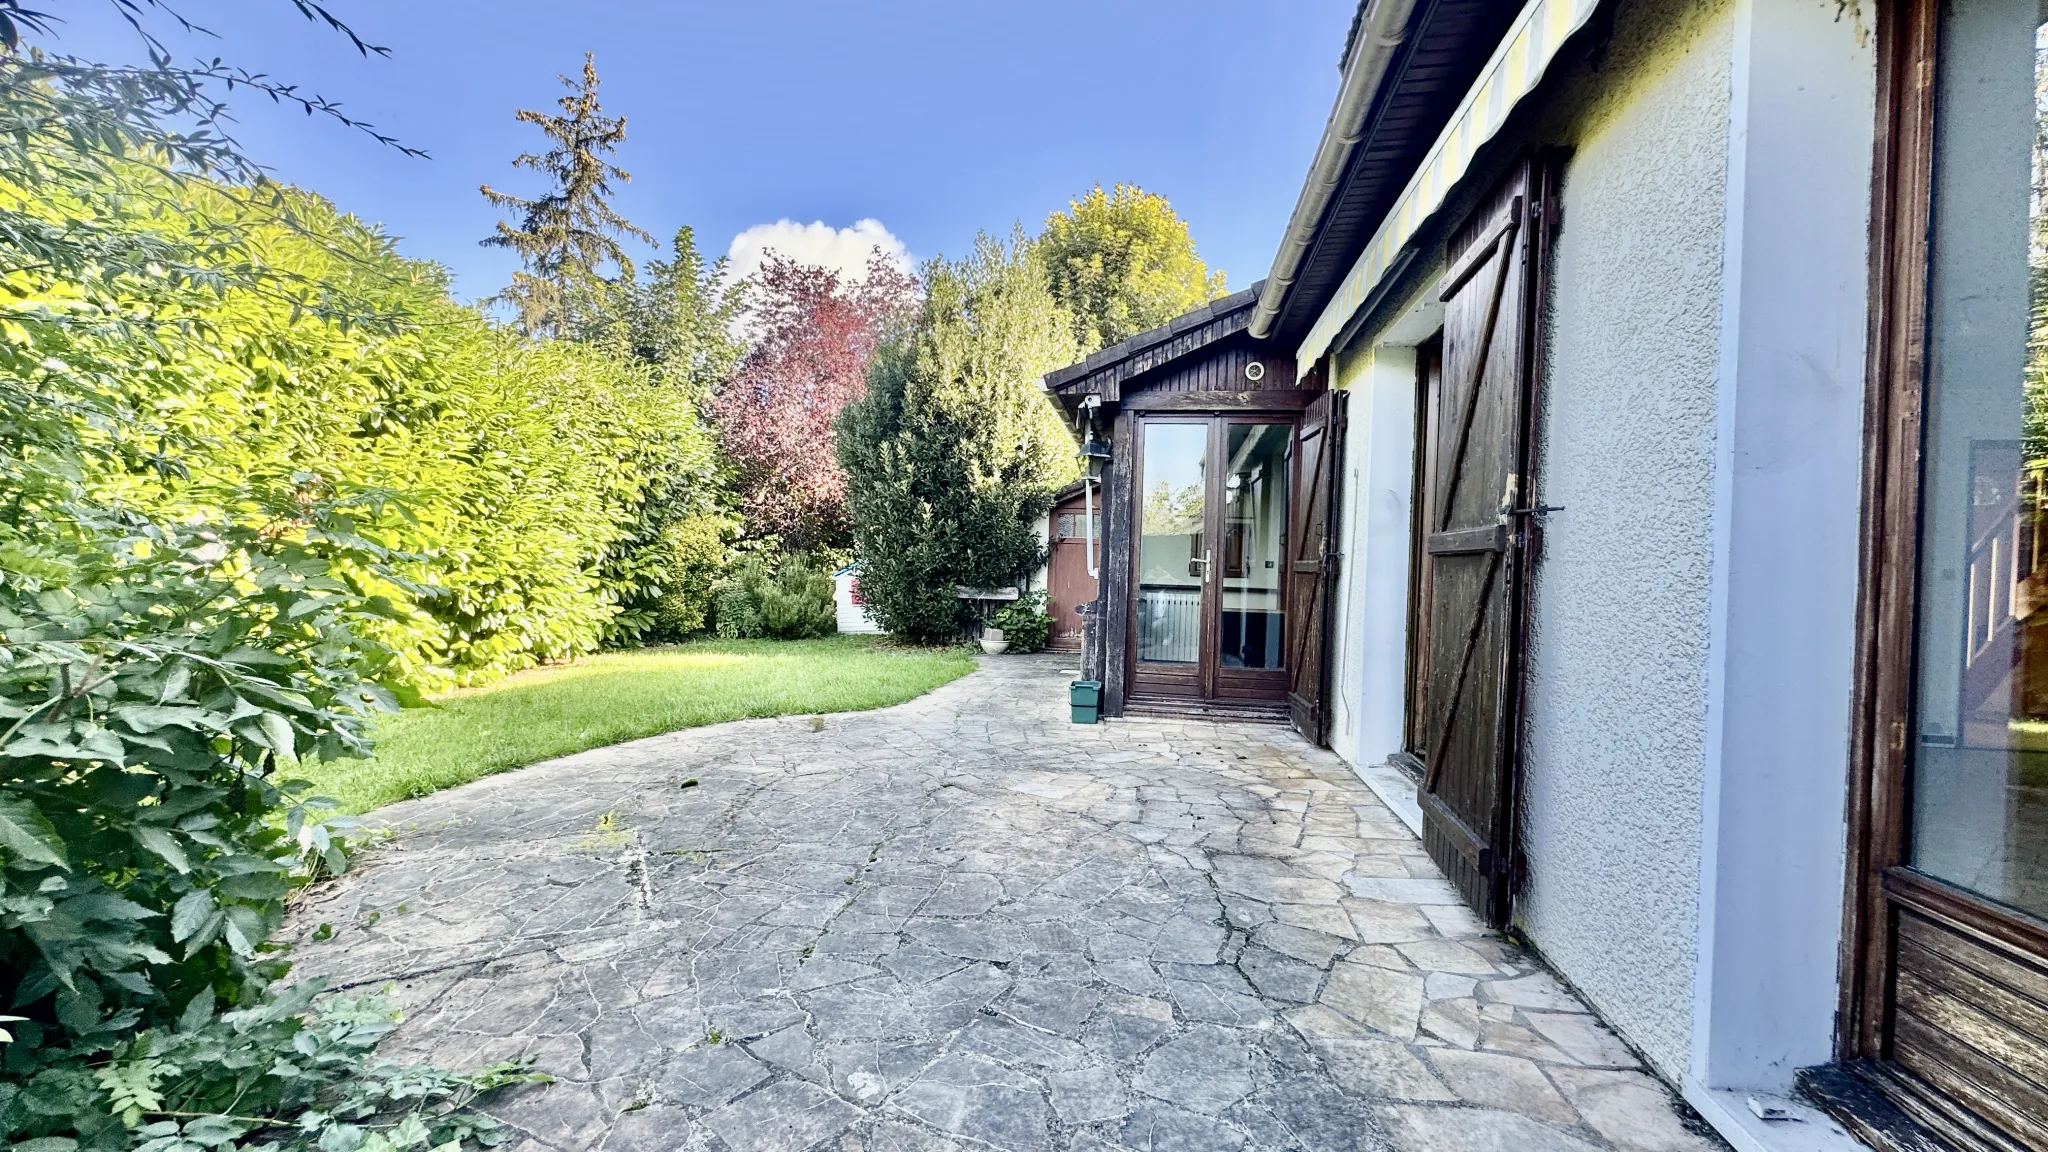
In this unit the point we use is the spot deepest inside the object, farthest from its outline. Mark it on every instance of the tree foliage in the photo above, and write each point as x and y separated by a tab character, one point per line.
678	321
570	235
519	551
257	476
1121	262
814	333
955	451
676	324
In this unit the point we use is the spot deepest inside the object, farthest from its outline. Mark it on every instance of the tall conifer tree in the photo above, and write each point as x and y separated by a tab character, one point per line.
568	236
955	451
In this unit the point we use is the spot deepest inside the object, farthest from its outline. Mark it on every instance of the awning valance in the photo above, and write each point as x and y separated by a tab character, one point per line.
1516	67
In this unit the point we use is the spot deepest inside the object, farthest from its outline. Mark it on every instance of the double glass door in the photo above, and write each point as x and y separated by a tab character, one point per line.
1210	563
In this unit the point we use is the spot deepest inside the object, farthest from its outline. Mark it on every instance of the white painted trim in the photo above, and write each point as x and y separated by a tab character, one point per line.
1369	687
1514	70
1396	789
1787	490
1809	1130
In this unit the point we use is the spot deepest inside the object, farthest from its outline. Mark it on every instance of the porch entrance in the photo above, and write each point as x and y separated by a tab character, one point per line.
1209	565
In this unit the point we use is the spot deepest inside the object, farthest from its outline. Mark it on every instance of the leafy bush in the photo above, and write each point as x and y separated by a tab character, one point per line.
797	604
793	602
956	451
158	683
673	570
736	601
186	614
1025	623
286	1074
523	468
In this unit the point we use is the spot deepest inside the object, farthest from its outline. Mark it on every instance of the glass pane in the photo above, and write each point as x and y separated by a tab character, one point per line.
1254	555
1173	478
1980	756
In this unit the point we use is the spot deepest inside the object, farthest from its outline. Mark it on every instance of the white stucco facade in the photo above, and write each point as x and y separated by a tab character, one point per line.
1685	740
1616	727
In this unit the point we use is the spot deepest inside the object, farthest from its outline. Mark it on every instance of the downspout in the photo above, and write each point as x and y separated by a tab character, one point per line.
1380	34
1088	408
1088	531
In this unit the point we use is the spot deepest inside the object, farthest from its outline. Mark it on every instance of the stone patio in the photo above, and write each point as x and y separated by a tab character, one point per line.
966	923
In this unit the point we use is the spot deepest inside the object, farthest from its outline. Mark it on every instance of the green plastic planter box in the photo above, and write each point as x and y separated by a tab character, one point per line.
1085	698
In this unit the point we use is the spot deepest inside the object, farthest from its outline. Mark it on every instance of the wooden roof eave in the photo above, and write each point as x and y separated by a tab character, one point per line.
1105	373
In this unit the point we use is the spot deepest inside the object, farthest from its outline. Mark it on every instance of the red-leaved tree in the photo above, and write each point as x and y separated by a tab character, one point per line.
813	333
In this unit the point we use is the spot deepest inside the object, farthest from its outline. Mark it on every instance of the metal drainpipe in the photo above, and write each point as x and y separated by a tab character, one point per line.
1379	35
1088	530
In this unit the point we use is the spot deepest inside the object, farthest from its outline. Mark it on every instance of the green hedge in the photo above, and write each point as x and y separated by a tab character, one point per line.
514	469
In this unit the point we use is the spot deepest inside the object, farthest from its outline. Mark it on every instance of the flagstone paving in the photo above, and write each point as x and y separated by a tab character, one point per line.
965	923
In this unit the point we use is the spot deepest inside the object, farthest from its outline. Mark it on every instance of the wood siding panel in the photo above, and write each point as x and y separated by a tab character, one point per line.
1473	675
1222	370
1971	1019
1962	1073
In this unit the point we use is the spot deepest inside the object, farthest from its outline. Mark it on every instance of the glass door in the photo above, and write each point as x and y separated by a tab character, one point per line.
1209	602
1175	553
1252	618
1953	1002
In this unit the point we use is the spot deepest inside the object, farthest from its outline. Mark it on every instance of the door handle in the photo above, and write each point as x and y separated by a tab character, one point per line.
1204	561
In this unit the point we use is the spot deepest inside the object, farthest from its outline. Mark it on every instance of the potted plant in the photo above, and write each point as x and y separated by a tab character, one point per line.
1023	625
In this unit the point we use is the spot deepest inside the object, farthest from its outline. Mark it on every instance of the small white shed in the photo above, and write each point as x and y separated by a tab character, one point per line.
853	611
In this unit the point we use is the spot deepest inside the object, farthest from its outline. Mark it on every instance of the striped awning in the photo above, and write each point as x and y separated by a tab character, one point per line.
1531	43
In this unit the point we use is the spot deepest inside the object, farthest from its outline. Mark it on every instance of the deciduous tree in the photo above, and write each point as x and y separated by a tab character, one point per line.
814	333
1121	262
676	323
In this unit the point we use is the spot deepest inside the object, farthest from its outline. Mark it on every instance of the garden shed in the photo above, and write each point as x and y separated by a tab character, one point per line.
1212	461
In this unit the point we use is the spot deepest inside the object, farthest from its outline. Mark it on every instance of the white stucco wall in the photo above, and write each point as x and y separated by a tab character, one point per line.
1685	740
1616	727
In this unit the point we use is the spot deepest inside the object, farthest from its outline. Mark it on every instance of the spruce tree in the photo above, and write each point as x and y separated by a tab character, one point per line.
568	236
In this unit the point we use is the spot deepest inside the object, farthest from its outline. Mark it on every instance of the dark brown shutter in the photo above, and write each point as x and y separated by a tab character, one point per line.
1472	538
1312	562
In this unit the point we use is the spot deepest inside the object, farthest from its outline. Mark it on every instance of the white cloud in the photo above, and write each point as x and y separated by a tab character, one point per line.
843	250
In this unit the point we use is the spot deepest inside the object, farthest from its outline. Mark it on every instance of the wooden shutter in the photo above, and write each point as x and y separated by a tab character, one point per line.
1312	561
1472	539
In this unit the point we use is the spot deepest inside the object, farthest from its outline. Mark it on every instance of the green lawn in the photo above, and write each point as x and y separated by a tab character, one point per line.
618	696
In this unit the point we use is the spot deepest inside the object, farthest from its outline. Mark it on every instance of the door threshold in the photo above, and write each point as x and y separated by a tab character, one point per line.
1892	1110
1396	789
1183	708
1801	1127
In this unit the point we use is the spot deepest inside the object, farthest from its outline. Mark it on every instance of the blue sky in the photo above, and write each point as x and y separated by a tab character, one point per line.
935	118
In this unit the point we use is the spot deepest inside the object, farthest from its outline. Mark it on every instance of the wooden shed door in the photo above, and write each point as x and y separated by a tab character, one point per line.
1067	577
1312	561
1467	794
